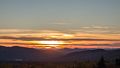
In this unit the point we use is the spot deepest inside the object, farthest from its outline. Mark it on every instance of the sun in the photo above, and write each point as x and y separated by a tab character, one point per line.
50	44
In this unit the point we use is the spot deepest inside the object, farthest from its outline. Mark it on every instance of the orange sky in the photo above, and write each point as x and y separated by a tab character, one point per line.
57	39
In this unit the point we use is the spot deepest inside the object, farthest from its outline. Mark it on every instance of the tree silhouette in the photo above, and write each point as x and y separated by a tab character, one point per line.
117	62
101	63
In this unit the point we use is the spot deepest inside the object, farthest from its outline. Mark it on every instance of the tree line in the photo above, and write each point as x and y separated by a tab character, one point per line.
101	63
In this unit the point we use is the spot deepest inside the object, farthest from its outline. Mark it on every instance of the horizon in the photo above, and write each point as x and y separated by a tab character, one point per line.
57	39
59	33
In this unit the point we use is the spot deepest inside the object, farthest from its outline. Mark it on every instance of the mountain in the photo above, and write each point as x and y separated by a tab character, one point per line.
24	54
29	54
92	55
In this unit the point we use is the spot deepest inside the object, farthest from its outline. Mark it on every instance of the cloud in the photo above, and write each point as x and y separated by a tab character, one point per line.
97	30
26	31
64	22
39	38
72	39
95	27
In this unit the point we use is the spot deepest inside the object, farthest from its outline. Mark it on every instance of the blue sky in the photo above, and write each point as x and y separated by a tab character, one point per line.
59	14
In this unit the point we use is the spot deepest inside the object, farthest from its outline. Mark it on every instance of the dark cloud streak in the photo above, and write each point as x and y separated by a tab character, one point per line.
40	39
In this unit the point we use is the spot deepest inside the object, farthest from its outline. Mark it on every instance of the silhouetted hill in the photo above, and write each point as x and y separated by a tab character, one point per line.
21	53
92	55
30	54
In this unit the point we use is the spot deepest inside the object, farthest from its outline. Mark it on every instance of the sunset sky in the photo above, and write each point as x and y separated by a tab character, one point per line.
60	23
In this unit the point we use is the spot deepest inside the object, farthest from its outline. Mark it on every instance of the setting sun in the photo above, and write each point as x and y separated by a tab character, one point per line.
50	44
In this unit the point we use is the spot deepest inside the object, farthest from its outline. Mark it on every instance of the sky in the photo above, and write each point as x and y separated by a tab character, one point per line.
59	14
83	21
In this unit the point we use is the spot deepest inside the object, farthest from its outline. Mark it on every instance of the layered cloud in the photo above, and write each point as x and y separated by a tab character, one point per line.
32	38
97	30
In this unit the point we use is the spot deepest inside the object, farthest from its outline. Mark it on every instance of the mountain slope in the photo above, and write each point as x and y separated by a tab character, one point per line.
30	54
92	55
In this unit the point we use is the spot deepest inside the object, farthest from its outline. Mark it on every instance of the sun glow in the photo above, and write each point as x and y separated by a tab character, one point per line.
50	44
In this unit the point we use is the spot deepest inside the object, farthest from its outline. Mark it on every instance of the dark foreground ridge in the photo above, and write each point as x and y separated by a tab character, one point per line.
30	54
20	57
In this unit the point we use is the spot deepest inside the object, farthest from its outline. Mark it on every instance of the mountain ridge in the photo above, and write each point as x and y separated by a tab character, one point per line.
30	54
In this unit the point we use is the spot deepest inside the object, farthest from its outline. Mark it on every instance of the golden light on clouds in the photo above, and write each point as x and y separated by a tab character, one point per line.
57	39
